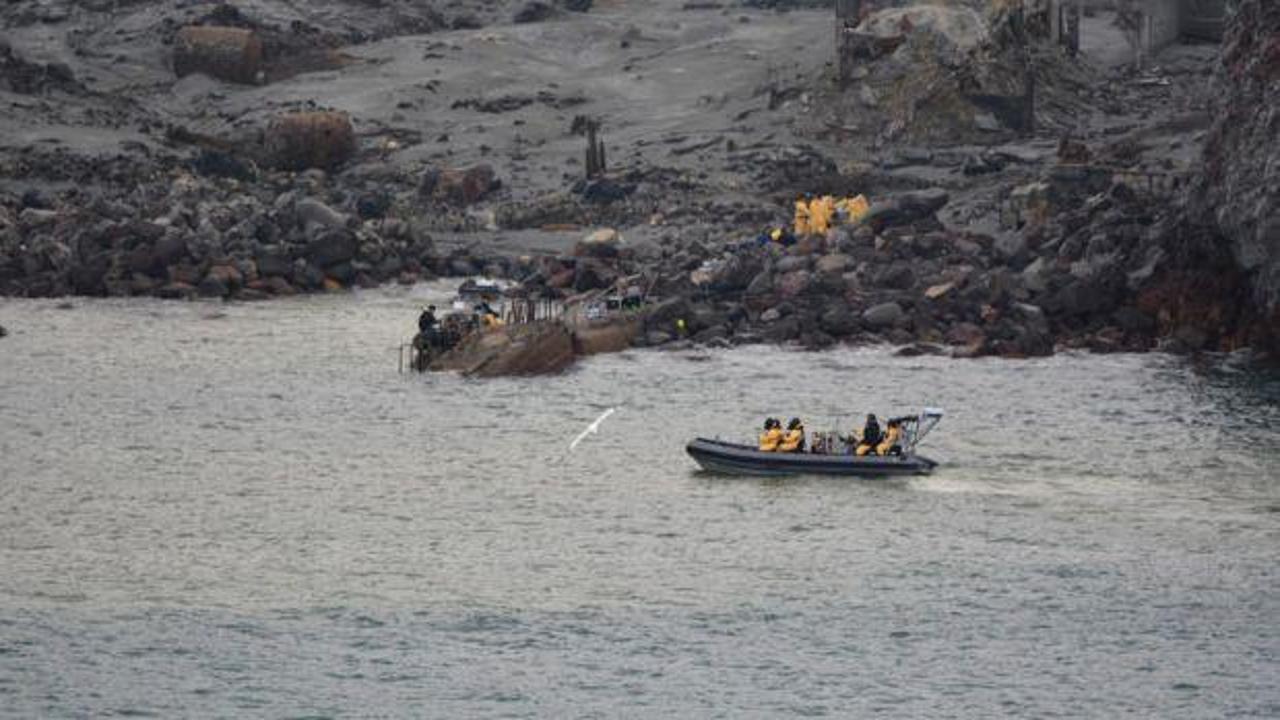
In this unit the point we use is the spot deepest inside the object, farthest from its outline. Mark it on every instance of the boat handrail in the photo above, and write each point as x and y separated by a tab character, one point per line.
926	421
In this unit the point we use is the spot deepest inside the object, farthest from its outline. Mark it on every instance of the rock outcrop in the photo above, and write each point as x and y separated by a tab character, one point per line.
1239	189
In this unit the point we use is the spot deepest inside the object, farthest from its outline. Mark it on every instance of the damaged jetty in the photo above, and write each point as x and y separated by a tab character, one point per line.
513	332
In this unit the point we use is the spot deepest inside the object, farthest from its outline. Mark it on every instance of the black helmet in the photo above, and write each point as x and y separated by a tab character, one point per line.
795	423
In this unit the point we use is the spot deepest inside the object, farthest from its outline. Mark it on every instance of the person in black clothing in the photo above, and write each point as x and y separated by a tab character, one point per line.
871	436
427	320
428	331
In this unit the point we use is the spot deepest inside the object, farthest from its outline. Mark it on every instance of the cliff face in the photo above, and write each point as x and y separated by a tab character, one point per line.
1239	190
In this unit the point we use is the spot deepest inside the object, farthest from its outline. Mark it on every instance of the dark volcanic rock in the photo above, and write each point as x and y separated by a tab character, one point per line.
592	275
212	287
883	315
331	248
534	12
898	276
167	251
273	261
839	319
176	291
736	273
603	190
664	316
1239	190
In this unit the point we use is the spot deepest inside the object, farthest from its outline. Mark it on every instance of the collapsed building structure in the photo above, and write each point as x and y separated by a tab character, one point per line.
1150	24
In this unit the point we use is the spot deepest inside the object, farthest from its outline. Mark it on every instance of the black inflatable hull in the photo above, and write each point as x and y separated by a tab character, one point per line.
734	459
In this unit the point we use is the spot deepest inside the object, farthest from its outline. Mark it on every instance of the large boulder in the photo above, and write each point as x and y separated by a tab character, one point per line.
884	315
88	277
168	250
592	275
924	203
838	319
532	12
794	283
905	208
273	261
664	315
331	248
602	243
834	264
314	215
736	273
761	284
898	276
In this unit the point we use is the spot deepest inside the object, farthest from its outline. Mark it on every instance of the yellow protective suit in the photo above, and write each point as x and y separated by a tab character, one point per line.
802	218
891	437
820	212
769	440
863	449
856	208
491	321
795	438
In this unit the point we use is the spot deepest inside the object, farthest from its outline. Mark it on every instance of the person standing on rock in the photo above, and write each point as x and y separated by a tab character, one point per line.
802	217
427	324
820	212
427	320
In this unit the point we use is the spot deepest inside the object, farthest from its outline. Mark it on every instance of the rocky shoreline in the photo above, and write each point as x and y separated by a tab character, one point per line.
1012	248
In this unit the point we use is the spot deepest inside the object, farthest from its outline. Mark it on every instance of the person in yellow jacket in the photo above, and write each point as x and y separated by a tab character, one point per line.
856	208
892	435
794	441
820	212
488	317
802	217
772	435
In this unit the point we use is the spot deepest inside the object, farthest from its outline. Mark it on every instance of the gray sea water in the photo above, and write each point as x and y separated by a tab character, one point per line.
216	510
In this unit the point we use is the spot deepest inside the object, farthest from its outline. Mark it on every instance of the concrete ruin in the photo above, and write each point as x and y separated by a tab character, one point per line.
1156	23
1149	24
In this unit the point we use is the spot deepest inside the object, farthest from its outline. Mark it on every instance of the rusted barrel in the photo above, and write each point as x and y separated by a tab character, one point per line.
227	53
301	141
